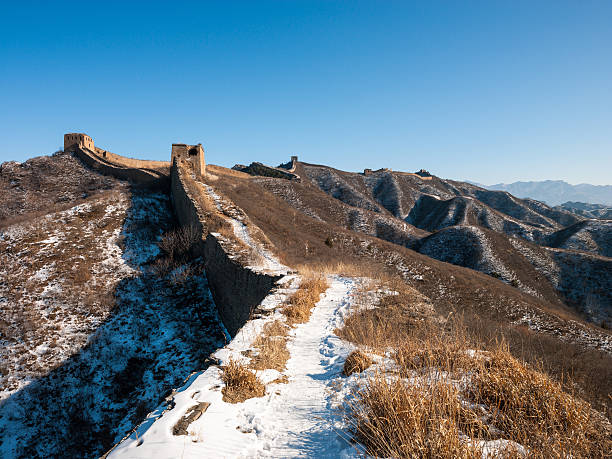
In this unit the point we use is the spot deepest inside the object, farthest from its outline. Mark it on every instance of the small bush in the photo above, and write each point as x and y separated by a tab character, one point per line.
356	362
240	383
177	242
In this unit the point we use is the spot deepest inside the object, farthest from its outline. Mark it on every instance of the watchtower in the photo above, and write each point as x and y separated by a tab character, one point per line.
194	154
78	139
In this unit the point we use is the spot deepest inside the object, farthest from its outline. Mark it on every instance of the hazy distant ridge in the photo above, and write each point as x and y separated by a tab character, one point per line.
555	192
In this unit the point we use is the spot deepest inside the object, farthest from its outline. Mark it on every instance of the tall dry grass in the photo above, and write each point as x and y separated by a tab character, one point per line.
534	410
449	386
394	419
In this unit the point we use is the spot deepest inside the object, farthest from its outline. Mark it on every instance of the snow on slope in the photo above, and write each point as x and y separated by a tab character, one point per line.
157	333
50	269
296	419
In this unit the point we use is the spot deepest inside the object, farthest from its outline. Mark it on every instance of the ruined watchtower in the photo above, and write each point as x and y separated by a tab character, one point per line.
194	154
78	139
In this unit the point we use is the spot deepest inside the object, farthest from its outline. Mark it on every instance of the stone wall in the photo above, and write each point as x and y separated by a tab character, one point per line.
143	177
262	170
236	289
185	208
130	162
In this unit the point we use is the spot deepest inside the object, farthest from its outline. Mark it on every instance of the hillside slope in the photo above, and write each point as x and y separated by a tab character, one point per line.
93	330
437	206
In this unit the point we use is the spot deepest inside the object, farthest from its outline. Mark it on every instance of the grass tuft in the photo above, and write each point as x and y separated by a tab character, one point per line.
356	362
240	383
272	347
535	411
394	419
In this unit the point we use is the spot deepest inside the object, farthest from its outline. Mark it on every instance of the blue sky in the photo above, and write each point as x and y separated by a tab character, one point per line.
489	91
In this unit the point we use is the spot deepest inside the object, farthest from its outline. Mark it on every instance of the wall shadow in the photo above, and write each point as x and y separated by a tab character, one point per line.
160	330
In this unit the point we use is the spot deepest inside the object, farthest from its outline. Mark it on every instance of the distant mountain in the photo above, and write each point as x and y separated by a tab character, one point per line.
555	192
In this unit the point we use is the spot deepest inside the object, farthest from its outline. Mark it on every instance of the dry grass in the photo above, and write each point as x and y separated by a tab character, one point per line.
502	396
356	362
394	419
585	371
534	410
301	302
272	347
441	351
240	383
396	317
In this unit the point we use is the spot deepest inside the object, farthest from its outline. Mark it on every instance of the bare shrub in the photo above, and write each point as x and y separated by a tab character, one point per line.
240	383
177	242
356	362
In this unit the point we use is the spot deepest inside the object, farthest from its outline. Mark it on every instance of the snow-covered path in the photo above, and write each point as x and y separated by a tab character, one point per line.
296	419
300	416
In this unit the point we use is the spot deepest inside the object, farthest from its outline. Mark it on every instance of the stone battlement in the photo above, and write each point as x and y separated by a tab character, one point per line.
78	139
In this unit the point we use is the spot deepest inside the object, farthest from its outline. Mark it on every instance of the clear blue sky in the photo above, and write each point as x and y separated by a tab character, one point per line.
489	91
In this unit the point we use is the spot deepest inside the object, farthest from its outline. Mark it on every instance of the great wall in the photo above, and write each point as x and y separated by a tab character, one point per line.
236	288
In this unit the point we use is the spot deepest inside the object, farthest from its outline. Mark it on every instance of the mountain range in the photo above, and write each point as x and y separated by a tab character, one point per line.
556	192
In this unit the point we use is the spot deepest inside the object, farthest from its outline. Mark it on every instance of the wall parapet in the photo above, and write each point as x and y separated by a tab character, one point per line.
124	161
145	177
141	172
